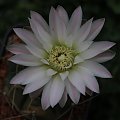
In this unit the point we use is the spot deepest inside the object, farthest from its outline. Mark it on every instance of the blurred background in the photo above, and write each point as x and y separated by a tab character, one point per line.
106	106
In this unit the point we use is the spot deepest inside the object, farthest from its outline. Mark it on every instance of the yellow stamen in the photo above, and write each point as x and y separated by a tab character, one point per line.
61	58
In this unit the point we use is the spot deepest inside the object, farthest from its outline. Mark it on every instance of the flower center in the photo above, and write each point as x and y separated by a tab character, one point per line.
61	58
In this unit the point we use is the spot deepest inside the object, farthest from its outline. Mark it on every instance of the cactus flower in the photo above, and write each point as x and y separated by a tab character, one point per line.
62	57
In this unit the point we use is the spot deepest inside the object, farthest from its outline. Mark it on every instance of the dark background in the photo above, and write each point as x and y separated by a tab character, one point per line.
106	106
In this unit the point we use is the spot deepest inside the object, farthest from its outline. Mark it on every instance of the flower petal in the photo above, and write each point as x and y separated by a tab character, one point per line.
95	29
37	84
44	36
34	29
18	49
77	81
40	20
75	21
63	14
84	31
60	28
72	91
39	73
51	72
70	40
56	91
78	59
63	99
28	75
52	22
84	45
44	61
27	36
45	99
96	48
97	69
64	75
89	79
25	59
103	57
36	51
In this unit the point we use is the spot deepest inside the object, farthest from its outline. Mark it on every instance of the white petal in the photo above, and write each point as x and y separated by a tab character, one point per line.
63	14
52	22
92	84
63	99
45	99
28	75
97	69
84	45
39	73
103	57
39	19
64	75
76	79
95	28
60	27
25	59
84	31
34	29
51	72
56	91
36	51
78	59
75	21
44	36
44	61
27	36
18	49
89	79
96	48
72	91
31	87
70	39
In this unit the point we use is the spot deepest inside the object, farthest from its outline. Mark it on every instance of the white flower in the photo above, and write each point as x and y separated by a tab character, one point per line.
63	59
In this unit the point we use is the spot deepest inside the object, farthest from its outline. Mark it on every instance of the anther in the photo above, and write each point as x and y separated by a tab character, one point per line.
61	58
